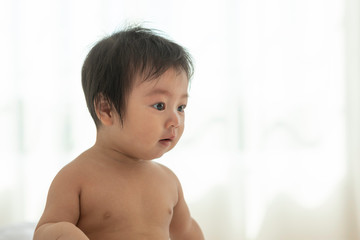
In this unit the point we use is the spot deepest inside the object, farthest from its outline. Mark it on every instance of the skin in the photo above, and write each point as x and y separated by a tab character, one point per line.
113	190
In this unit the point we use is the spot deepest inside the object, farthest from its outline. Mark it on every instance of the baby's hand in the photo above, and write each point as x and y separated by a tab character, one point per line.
59	231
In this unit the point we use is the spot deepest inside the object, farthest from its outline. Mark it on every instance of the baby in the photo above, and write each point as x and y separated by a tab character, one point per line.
136	88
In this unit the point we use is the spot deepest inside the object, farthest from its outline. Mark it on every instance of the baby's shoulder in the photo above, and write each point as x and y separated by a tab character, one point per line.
74	167
166	172
73	172
162	168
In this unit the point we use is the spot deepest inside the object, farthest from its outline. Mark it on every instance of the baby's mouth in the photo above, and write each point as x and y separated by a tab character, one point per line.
167	141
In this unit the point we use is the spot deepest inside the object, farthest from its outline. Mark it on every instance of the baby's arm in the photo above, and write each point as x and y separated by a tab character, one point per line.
183	226
62	209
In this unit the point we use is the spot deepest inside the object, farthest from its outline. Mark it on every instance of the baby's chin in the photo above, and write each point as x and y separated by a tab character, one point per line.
155	152
159	155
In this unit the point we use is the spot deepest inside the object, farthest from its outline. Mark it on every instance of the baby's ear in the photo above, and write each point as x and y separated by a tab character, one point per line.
104	110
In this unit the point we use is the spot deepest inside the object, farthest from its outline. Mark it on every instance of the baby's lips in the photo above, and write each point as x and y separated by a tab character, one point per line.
170	138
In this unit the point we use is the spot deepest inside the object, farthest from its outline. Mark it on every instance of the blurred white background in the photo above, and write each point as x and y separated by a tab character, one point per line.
271	149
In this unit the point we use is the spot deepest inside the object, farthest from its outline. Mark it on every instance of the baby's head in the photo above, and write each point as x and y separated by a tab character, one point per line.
114	63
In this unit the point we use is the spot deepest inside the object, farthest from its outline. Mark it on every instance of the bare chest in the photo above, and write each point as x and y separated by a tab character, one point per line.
116	204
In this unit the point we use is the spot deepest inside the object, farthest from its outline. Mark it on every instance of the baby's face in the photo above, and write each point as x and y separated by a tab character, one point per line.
154	118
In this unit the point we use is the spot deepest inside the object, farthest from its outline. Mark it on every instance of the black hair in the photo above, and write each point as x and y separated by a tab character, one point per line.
110	68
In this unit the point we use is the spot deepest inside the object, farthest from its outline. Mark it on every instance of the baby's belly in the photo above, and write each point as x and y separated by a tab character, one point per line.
144	225
143	234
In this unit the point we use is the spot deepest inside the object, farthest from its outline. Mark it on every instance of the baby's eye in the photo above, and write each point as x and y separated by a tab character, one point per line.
181	108
159	106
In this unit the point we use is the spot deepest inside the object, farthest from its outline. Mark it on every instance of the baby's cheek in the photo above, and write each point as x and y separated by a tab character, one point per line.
180	131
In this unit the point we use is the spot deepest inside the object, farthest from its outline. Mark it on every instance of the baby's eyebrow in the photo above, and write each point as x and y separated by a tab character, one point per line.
164	92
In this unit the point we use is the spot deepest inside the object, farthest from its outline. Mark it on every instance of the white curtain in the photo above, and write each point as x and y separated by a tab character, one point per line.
271	146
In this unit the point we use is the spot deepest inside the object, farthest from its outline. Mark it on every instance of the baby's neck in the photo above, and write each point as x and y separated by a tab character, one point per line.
110	153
